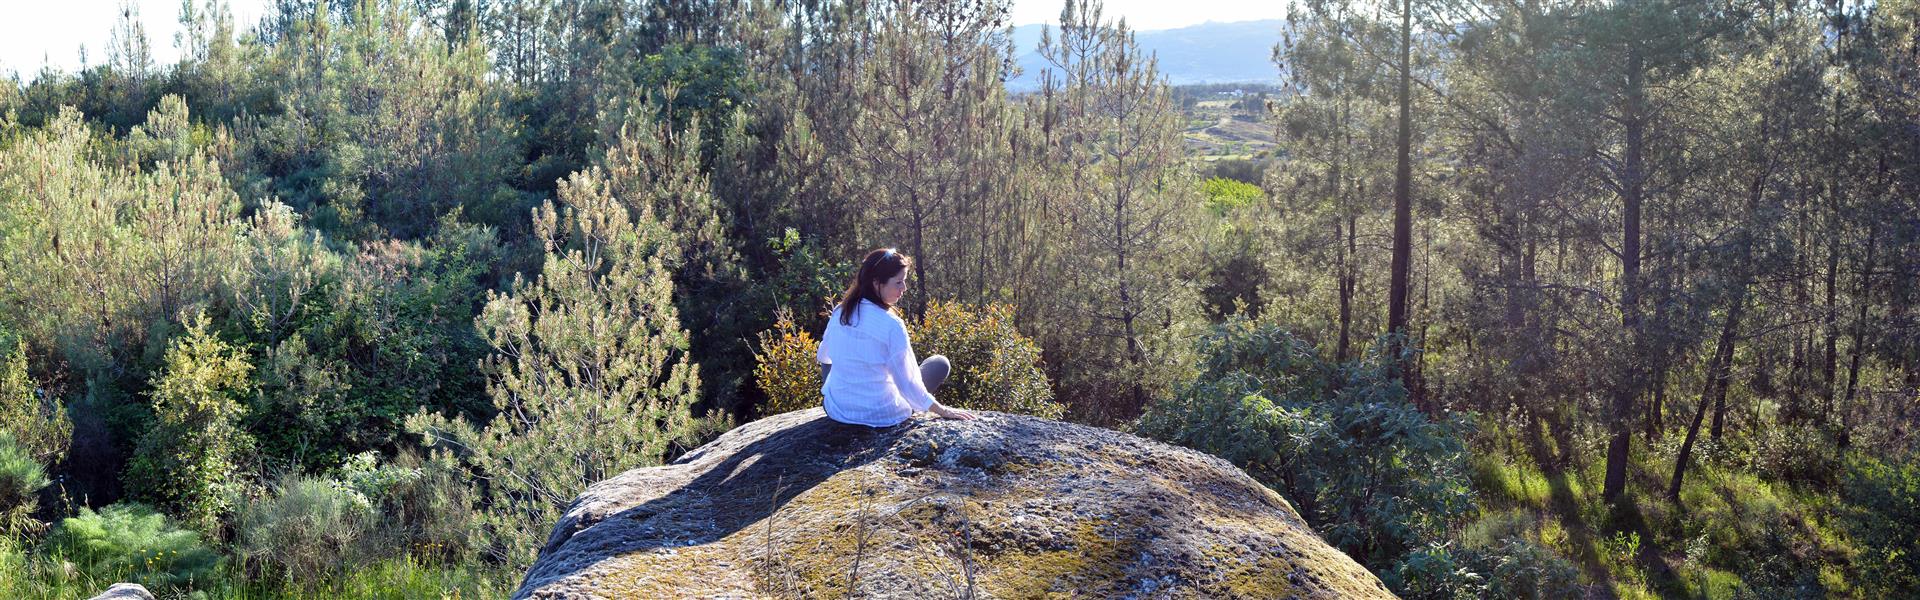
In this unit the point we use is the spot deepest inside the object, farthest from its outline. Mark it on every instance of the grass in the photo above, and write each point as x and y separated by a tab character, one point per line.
1734	534
29	577
1505	483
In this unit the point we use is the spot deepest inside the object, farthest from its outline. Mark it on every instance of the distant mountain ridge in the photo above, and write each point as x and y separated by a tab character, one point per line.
1210	52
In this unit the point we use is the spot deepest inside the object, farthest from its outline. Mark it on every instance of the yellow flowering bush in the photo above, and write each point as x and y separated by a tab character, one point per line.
786	369
994	366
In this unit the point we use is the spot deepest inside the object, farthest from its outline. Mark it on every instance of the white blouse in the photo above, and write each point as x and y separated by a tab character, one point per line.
875	380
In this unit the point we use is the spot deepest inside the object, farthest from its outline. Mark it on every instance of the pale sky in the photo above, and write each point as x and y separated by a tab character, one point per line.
38	32
1150	15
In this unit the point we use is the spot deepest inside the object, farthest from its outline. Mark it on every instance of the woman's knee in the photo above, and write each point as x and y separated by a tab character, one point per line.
934	371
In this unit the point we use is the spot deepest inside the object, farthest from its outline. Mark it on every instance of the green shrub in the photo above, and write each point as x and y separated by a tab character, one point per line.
1882	512
787	368
20	481
38	425
1234	263
1434	573
418	508
1226	194
1518	568
308	529
188	461
132	542
994	366
806	282
1368	471
347	344
429	514
370	481
1800	455
1497	557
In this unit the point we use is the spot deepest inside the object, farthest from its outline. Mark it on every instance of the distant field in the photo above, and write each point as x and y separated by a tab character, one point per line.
1216	130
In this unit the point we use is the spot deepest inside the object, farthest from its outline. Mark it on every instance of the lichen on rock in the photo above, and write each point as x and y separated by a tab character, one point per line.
1008	506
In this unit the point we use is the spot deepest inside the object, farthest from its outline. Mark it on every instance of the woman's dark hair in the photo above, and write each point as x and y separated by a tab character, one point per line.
879	266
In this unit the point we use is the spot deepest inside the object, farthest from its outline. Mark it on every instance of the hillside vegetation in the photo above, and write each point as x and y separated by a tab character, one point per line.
1508	300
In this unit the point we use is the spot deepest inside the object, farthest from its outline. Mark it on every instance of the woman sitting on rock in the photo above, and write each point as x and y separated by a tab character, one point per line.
872	376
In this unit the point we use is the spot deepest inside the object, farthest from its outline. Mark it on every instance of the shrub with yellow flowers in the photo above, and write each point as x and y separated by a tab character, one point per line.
994	366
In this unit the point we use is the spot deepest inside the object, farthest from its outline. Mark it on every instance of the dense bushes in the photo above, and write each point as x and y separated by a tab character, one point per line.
787	368
1883	513
592	344
311	526
1373	475
34	433
1224	194
1797	454
189	460
427	510
20	481
38	425
308	529
132	542
348	344
1513	568
1506	551
994	366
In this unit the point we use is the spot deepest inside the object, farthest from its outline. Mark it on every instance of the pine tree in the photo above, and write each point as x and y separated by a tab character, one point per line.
590	374
1337	166
1128	205
926	147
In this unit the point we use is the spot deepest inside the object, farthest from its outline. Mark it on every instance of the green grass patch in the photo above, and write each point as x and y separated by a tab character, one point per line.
28	576
1709	583
1506	483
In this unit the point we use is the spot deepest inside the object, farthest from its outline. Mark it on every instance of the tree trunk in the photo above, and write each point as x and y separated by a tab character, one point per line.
1860	344
1718	398
1830	315
1347	269
919	261
1659	398
1717	375
1402	204
1620	422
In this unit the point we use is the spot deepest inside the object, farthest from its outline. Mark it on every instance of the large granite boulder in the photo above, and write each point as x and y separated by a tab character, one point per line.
797	505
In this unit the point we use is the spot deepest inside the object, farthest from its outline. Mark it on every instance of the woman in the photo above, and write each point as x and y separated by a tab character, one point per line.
873	378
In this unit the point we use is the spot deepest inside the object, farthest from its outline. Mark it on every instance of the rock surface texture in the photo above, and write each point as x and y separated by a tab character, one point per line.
797	505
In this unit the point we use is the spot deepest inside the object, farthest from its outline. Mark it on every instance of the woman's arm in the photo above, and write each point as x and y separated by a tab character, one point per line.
905	368
826	335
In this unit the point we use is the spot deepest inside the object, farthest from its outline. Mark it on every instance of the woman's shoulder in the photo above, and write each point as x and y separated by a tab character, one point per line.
865	316
881	317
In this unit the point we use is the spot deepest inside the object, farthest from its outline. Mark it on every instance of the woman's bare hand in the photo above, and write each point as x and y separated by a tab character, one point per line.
953	413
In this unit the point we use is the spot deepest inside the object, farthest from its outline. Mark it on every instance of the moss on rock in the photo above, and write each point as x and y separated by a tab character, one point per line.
1008	506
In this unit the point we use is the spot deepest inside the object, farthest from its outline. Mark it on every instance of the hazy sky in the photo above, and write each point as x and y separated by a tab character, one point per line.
33	32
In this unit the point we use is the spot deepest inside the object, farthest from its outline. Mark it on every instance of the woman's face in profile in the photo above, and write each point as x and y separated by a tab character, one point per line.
891	290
